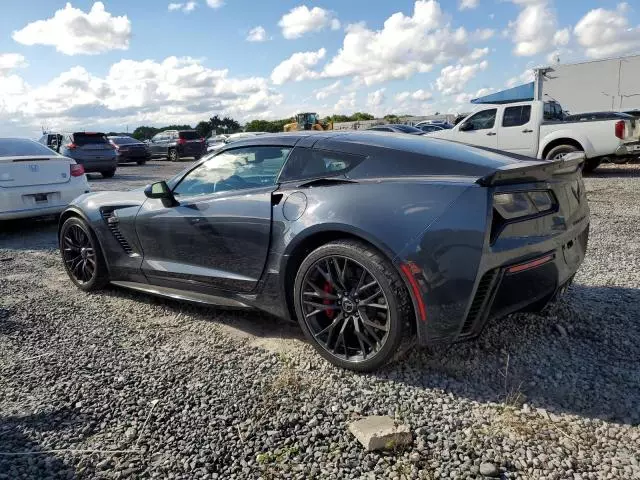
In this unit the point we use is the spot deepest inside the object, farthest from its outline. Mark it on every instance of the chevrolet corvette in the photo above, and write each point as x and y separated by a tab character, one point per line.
371	241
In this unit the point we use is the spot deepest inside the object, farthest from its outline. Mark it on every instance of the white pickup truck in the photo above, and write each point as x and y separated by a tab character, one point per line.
537	129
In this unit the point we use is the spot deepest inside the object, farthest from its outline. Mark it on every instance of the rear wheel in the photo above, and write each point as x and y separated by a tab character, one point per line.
352	305
558	152
109	173
173	155
82	255
141	162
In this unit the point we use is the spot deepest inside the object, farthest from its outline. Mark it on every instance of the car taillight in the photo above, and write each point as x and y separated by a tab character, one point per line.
620	129
201	140
76	170
523	204
181	141
71	146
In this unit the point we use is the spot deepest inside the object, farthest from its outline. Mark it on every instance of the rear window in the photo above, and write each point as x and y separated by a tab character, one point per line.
123	140
17	147
81	139
306	163
407	129
190	135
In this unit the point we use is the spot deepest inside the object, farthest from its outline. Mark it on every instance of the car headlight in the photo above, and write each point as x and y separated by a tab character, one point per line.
523	204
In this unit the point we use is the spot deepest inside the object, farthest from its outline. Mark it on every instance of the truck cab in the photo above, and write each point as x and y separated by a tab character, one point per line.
538	129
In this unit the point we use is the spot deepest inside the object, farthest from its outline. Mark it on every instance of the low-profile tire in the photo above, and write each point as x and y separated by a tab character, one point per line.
353	306
172	155
109	173
559	151
141	162
591	164
82	255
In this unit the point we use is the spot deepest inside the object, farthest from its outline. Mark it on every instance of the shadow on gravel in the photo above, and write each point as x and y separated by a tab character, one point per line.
22	457
28	234
579	357
616	171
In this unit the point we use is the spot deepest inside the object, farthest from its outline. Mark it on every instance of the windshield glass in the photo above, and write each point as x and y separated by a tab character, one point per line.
81	139
18	147
123	140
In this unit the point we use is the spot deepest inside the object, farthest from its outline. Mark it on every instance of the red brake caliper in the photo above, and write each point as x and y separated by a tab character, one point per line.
326	301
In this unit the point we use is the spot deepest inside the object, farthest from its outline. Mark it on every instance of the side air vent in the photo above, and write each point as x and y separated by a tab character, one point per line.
112	222
479	304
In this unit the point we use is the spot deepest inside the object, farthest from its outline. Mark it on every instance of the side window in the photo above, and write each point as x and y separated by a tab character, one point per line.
482	120
516	116
156	137
239	169
307	163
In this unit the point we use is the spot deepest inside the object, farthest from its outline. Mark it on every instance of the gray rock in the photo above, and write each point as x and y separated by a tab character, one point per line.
489	469
380	433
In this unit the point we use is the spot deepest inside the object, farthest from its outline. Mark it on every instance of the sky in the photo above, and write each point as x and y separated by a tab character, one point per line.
118	64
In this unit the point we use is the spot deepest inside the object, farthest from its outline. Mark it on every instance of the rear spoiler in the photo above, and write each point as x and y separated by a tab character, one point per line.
534	171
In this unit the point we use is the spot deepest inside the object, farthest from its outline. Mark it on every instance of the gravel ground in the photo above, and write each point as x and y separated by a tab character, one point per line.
122	385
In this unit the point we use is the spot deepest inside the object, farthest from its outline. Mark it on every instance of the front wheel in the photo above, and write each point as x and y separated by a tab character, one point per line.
82	255
352	305
141	162
173	155
109	173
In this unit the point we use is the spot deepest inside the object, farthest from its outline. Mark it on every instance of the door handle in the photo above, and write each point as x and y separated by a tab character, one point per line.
526	130
491	134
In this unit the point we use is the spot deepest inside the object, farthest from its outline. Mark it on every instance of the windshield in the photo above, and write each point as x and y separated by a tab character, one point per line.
123	140
19	147
81	139
190	135
407	129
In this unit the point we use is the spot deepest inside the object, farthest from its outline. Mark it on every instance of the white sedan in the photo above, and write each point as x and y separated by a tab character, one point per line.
35	180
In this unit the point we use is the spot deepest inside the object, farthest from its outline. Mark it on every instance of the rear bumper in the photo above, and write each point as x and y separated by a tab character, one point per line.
135	156
630	149
193	150
17	202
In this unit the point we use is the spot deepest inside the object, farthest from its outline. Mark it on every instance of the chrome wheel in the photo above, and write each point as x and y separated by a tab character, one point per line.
345	308
79	254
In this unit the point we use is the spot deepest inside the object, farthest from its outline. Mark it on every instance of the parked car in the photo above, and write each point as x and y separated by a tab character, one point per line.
428	128
234	137
439	123
538	129
177	144
92	150
130	150
35	180
446	237
397	128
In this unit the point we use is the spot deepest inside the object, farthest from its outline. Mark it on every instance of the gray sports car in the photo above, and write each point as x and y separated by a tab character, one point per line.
370	240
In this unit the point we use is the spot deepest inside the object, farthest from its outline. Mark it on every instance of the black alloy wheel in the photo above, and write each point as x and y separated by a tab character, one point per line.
352	305
81	255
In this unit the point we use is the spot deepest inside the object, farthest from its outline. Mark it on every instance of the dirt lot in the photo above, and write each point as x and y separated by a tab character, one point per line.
122	385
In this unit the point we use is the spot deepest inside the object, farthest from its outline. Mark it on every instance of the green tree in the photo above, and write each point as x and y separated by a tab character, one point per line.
204	129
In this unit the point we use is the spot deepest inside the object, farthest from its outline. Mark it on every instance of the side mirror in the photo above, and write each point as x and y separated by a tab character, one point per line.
465	127
161	191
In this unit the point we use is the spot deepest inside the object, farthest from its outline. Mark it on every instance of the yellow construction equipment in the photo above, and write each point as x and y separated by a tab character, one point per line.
307	121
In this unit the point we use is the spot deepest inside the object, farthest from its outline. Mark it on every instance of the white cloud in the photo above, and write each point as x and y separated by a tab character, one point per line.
404	46
11	61
605	33
475	55
257	34
467	4
346	103
418	95
453	78
184	7
375	99
72	31
536	29
297	67
175	90
328	90
301	20
467	97
484	34
524	77
215	3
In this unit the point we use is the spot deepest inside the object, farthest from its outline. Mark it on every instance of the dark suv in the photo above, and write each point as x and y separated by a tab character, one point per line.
176	144
92	150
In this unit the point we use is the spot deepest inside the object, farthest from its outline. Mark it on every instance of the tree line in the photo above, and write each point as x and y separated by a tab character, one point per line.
228	125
